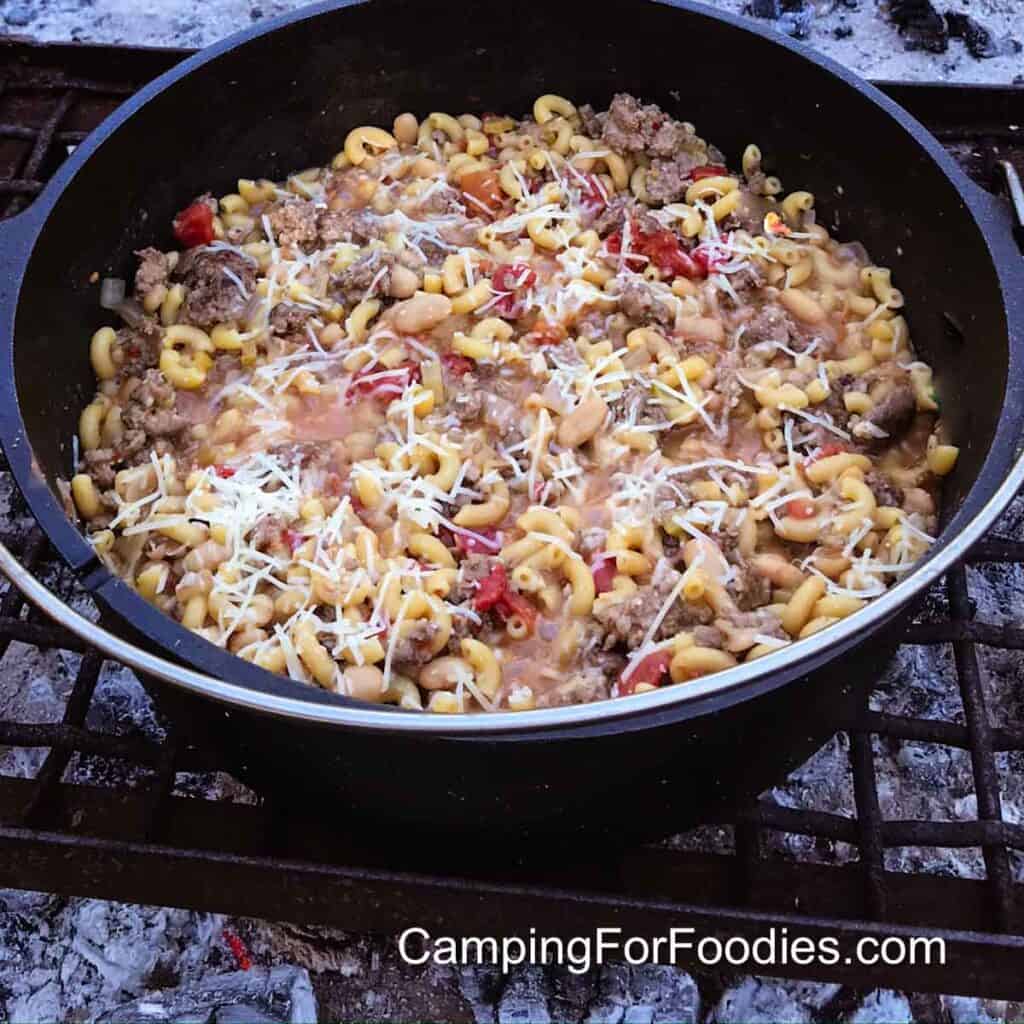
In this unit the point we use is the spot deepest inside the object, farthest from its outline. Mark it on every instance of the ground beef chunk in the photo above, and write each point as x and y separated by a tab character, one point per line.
150	408
639	302
414	646
748	588
306	454
737	631
154	269
294	222
638	405
592	541
707	636
99	464
147	430
472	570
140	345
591	121
630	128
358	226
500	413
611	217
582	688
773	323
465	398
885	491
268	533
895	413
355	281
673	147
289	321
442	201
668	180
213	296
626	622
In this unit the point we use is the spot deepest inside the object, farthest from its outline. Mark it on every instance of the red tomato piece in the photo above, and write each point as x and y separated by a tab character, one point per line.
294	540
650	670
800	508
494	594
545	333
513	279
491	589
613	243
376	383
709	171
603	571
224	472
593	197
194	225
662	248
456	365
705	259
485	188
828	450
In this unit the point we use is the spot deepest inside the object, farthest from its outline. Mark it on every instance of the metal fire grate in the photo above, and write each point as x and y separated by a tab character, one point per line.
144	841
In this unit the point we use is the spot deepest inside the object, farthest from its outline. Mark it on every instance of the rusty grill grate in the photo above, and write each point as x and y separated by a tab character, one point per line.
145	842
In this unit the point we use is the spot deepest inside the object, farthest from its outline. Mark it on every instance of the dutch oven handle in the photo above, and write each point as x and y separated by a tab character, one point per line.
1003	225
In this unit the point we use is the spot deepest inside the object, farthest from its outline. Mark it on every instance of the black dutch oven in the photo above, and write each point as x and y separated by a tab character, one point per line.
282	96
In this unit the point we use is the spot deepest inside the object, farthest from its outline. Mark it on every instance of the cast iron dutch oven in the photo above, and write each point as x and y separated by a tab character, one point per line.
282	97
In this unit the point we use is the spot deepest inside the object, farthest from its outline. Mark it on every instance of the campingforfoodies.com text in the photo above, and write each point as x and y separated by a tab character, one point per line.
776	947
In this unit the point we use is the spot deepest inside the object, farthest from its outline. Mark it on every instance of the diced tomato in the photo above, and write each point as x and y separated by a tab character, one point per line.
224	472
662	248
593	196
603	571
800	508
706	259
513	279
494	594
294	540
194	225
651	670
827	450
456	365
374	382
545	333
510	276
613	243
708	171
467	545
667	254
491	589
485	187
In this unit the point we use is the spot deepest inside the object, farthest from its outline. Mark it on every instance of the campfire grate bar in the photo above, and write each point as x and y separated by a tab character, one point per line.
148	844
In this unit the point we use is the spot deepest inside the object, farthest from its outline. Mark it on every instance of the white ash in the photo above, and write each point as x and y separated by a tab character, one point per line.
883	1007
771	1000
278	995
968	1010
857	33
72	959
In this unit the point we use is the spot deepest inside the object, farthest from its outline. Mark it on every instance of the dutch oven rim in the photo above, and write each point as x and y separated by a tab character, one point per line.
697	697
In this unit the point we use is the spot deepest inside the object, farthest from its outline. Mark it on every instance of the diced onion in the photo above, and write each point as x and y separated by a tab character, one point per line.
111	292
